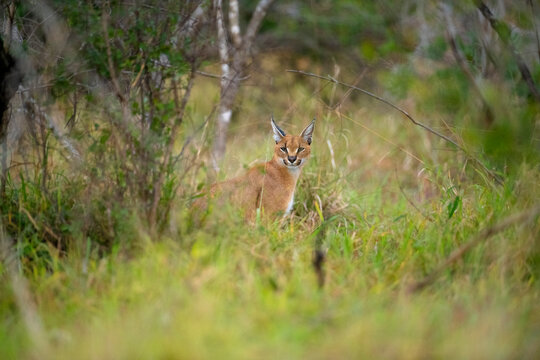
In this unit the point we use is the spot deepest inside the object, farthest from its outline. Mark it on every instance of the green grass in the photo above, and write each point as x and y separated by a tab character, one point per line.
249	292
230	290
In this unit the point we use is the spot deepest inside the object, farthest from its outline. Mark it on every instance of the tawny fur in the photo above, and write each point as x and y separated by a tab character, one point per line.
268	186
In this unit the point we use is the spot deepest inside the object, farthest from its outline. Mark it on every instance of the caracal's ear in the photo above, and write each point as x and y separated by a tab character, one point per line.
278	133
307	133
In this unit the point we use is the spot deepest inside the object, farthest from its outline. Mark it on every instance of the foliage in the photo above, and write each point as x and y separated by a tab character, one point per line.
235	290
123	94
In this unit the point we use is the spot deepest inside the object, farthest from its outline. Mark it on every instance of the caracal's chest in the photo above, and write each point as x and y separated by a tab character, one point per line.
278	191
290	205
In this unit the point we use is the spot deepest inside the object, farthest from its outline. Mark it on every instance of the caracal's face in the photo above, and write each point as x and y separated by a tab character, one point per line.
290	150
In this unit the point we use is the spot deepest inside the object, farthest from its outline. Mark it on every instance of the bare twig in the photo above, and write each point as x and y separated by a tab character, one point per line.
255	22
188	141
180	108
349	91
496	177
502	29
10	19
535	27
33	111
489	118
112	69
43	227
482	236
210	75
214	76
340	114
193	22
190	138
331	79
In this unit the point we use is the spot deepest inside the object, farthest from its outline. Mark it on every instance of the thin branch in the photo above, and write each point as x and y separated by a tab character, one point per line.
535	28
496	177
255	22
32	109
11	17
331	79
210	75
43	227
192	136
502	29
110	63
349	91
215	76
186	144
340	114
522	217
180	109
194	21
489	118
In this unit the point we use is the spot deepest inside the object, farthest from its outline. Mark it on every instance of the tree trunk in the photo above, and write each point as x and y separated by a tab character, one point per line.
228	96
10	78
233	58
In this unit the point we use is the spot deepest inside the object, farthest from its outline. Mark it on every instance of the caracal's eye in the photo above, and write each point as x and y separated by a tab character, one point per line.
284	149
300	149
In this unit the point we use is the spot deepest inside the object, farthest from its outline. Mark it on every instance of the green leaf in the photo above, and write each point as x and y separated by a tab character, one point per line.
452	207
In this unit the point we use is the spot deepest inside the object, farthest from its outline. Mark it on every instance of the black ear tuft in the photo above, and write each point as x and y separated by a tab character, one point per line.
307	133
278	133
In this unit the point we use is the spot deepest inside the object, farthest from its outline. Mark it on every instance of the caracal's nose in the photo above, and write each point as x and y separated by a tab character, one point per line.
291	159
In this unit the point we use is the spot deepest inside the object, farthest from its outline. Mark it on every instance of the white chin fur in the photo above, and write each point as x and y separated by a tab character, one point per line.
293	167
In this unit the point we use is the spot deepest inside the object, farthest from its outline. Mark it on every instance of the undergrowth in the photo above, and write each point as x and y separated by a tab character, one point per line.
385	202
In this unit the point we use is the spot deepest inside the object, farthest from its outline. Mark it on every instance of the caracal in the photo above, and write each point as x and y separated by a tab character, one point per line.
269	187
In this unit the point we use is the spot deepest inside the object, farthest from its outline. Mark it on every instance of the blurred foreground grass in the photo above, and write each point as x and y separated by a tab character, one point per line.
400	202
